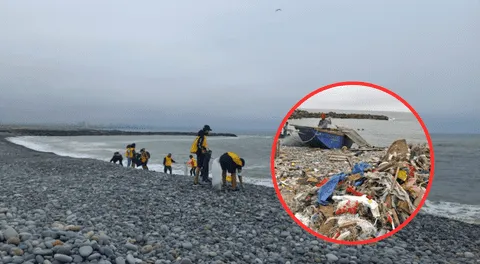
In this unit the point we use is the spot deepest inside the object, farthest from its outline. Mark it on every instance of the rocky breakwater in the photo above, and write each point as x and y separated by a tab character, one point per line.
93	132
299	114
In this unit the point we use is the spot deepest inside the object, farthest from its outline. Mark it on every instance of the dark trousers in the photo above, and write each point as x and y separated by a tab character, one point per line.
192	171
205	166
167	168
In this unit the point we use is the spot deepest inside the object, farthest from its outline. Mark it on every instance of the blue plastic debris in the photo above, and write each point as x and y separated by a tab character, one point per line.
360	168
327	189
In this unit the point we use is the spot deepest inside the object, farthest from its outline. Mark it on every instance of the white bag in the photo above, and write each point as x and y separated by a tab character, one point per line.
186	169
216	174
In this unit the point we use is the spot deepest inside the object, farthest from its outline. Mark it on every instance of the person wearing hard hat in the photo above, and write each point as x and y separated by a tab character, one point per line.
324	122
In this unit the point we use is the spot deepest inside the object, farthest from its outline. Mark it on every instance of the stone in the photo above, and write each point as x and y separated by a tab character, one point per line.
10	233
63	258
469	255
131	247
85	251
13	241
331	257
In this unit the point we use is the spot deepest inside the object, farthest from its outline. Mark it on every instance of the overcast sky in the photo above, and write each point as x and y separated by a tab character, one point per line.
232	63
354	97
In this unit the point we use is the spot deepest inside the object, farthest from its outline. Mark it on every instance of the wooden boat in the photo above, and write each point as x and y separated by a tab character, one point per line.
327	138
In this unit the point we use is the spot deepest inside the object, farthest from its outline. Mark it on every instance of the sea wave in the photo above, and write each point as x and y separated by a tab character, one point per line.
462	212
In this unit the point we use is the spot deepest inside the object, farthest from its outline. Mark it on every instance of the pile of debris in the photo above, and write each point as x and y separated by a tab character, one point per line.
355	195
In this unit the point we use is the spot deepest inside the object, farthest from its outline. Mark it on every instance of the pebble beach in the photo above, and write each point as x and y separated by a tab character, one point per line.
64	210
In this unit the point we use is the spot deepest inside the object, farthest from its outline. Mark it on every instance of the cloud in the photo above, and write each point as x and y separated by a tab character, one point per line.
354	97
229	62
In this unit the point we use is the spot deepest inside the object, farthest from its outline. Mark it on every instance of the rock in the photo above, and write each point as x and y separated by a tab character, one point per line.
469	255
187	245
131	247
25	236
63	250
94	256
17	252
146	249
130	259
63	258
13	241
120	260
43	252
10	233
77	259
186	261
331	257
85	251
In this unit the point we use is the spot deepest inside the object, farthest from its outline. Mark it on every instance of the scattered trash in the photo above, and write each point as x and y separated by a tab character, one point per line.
353	194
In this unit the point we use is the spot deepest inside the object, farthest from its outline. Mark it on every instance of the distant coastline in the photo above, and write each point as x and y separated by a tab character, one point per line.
299	114
97	132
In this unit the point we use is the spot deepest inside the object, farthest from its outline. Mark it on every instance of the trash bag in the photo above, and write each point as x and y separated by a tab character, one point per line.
359	168
328	188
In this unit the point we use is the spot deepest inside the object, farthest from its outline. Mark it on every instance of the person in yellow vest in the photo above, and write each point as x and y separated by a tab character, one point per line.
133	154
192	163
144	157
200	148
167	163
129	155
233	164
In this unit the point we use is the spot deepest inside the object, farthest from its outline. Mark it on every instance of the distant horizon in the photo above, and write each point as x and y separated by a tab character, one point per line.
258	131
359	110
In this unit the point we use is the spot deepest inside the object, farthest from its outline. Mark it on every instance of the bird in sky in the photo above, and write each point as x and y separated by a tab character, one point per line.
278	10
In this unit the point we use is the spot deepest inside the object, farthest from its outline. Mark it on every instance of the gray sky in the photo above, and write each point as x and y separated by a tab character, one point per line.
232	63
354	97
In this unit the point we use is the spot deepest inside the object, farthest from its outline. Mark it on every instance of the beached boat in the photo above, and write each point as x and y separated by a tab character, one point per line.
329	138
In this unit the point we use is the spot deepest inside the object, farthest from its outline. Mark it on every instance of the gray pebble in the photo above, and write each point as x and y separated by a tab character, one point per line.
120	260
130	259
85	251
131	247
63	258
331	257
77	259
187	245
10	233
94	256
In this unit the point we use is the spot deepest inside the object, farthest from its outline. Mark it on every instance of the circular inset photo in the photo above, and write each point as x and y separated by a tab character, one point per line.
352	163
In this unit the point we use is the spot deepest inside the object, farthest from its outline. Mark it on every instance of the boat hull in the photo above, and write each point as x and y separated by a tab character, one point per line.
323	138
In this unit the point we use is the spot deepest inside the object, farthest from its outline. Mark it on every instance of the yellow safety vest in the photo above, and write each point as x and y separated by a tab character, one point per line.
235	158
168	161
194	147
129	153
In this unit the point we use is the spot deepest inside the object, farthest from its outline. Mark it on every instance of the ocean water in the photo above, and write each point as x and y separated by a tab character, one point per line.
379	133
454	193
254	149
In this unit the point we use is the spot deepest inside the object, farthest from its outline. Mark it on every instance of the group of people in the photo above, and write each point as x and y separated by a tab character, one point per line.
229	162
134	159
199	168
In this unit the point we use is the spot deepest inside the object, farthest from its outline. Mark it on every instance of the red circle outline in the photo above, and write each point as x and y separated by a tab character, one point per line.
274	178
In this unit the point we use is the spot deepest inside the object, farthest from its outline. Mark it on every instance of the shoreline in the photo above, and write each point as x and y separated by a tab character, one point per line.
126	214
96	132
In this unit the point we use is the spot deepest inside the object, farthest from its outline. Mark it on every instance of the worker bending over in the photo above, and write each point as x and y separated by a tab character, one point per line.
231	163
117	157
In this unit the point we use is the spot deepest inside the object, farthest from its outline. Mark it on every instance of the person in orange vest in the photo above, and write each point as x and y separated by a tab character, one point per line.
192	163
233	164
167	163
